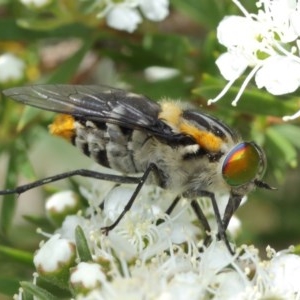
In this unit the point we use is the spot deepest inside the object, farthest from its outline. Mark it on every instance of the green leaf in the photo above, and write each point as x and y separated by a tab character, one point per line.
9	30
53	288
27	296
29	114
285	148
205	12
281	153
297	249
17	255
8	286
24	165
174	88
38	221
69	67
153	50
9	201
37	291
18	164
82	245
253	101
171	50
41	24
290	132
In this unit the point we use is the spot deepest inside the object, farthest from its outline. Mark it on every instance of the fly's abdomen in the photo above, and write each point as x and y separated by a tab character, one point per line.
108	144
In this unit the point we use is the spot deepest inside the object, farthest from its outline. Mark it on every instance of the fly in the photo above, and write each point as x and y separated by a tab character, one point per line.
179	149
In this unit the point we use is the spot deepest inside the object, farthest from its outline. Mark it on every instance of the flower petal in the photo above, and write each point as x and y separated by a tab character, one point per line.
155	10
279	75
231	65
123	18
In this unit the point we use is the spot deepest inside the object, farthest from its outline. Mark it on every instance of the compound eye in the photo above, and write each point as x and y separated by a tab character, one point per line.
243	163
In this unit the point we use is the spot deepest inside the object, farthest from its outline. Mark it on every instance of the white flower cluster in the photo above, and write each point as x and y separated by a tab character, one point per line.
36	3
125	14
120	14
268	42
12	68
151	255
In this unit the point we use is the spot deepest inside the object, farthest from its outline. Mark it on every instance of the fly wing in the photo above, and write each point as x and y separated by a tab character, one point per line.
91	102
100	104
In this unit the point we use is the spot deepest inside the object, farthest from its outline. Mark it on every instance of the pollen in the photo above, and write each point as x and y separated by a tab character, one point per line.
63	126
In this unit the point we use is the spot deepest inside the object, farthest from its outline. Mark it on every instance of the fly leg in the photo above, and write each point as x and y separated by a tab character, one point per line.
142	180
173	205
232	205
170	209
201	217
222	223
80	172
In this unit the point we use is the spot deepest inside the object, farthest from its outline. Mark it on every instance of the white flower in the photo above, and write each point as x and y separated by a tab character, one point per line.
123	18
268	42
35	3
240	33
54	255
12	68
61	201
67	229
125	15
285	272
155	10
86	276
150	255
157	73
61	204
279	75
234	226
138	230
231	65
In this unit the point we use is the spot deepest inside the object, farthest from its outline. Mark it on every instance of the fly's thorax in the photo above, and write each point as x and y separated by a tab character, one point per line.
185	167
206	131
200	162
203	170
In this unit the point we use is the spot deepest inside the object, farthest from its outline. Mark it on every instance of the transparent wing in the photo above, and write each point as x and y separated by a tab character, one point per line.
96	103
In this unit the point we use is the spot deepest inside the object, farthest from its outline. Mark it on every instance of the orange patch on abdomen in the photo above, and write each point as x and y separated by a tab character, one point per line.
63	126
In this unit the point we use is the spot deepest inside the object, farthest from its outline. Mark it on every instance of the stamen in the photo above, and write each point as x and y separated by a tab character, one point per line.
292	117
287	53
242	8
43	233
245	83
223	92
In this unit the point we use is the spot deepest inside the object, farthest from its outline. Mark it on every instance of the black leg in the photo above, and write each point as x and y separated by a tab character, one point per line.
151	168
220	223
173	205
199	213
201	217
81	172
169	210
232	205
